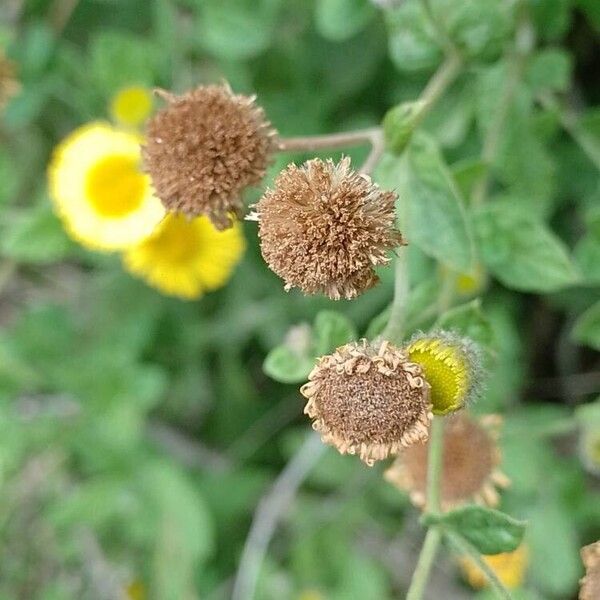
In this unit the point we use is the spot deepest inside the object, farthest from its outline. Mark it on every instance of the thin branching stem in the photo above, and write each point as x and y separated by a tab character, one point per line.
464	548
270	510
372	136
434	534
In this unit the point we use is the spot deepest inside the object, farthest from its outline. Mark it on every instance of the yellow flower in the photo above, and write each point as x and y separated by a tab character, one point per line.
509	567
186	258
131	106
99	191
452	366
135	590
471	283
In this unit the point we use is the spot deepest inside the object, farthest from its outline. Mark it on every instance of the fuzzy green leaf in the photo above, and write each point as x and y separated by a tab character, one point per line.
339	20
332	329
284	365
587	327
521	251
489	531
433	211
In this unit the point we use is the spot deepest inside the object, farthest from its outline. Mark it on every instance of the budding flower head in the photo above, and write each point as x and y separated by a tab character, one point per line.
590	583
470	471
452	365
368	399
204	148
323	228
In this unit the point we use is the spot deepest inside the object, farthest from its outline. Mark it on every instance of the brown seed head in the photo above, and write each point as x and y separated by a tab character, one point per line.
324	227
9	86
470	469
368	400
204	148
590	583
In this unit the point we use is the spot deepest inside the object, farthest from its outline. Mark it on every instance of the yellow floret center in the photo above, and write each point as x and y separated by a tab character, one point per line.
131	105
115	186
178	240
446	371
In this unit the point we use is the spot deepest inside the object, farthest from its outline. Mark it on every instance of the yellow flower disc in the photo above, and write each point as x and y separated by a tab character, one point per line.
131	106
446	369
99	191
186	258
509	567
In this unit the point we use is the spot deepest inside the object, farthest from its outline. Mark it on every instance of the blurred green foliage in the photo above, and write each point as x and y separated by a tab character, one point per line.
138	433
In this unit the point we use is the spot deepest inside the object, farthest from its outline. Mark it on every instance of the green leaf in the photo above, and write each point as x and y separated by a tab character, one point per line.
467	173
284	365
412	40
237	29
399	123
549	69
588	414
587	327
521	251
431	210
469	320
331	330
489	531
37	236
552	537
339	20
587	256
478	27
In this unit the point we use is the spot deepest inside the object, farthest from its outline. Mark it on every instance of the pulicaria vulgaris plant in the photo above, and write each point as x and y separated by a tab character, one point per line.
324	228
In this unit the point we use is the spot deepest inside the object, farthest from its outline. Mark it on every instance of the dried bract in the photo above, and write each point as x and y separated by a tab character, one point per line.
368	400
204	148
590	583
323	227
471	459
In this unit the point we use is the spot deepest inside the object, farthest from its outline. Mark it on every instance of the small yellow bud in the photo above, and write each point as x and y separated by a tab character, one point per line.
131	106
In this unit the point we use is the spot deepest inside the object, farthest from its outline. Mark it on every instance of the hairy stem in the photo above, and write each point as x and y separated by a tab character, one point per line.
421	574
373	136
270	510
395	325
434	534
464	548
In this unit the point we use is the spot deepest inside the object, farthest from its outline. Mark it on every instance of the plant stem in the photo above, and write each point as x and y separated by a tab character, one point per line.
395	325
434	534
268	513
434	464
568	120
421	574
464	548
373	136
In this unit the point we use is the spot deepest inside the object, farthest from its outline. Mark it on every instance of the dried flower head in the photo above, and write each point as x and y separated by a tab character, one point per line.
368	399
323	228
590	583
509	567
453	366
204	148
470	469
9	86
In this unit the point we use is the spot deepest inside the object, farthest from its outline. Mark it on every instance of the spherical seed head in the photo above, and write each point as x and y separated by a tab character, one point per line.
453	366
323	227
590	583
471	458
368	399
204	148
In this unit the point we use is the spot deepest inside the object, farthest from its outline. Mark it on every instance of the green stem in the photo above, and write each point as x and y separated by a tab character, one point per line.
568	122
434	534
395	325
464	548
421	574
434	464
